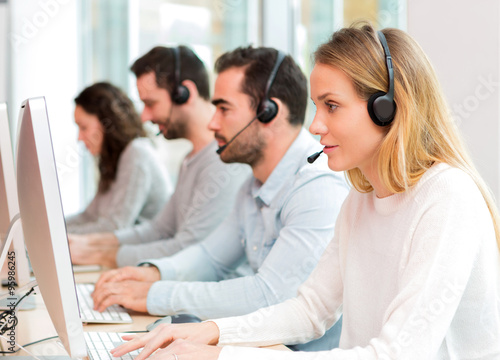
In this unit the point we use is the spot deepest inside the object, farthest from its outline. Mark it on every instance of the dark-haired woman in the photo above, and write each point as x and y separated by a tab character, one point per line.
133	185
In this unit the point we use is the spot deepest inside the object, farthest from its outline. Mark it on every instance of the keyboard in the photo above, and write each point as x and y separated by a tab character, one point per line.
100	343
114	314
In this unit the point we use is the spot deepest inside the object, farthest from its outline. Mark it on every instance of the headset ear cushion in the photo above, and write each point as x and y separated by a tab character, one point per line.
377	101
181	95
269	110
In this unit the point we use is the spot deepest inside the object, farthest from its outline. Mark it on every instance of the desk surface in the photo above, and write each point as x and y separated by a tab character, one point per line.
35	325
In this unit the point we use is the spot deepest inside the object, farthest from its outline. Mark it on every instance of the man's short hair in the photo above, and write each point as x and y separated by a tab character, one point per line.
161	61
290	84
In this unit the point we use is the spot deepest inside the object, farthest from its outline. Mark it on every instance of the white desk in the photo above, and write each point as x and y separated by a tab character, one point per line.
35	325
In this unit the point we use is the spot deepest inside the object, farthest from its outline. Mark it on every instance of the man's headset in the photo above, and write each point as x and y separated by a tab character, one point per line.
180	93
381	105
267	108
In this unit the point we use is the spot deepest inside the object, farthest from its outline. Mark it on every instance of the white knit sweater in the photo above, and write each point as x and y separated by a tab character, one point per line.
417	274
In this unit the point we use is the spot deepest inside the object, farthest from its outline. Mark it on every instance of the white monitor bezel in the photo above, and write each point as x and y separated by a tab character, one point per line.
15	240
48	252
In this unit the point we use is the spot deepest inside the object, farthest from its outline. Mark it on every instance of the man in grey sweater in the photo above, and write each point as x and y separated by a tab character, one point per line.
177	99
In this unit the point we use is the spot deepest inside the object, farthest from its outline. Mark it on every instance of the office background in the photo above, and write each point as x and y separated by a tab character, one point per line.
54	48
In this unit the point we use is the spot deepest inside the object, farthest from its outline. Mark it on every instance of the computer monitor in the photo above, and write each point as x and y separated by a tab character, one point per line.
11	236
44	227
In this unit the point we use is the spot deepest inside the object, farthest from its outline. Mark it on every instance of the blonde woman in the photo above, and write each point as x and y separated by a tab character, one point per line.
415	258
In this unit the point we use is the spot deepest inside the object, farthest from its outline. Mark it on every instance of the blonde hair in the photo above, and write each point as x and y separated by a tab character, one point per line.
422	131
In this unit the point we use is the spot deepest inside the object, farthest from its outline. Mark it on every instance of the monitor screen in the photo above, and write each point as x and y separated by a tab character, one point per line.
44	227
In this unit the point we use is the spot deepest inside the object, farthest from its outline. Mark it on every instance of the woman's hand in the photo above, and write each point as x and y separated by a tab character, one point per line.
163	335
186	350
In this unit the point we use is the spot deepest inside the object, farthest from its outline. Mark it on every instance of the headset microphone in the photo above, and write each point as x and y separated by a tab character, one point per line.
267	109
223	147
314	157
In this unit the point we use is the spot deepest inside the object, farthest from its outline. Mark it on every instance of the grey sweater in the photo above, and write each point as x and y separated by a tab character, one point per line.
203	196
140	190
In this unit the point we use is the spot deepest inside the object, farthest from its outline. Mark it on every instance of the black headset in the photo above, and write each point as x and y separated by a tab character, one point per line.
381	105
268	109
180	94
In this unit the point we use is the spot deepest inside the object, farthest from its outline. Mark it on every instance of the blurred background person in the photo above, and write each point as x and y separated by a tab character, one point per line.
133	185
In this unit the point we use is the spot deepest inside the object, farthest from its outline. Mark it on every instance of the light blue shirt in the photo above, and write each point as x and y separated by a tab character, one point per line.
281	227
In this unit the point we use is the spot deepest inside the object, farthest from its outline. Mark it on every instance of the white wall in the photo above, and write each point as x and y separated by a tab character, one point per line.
4	79
277	30
462	39
44	62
